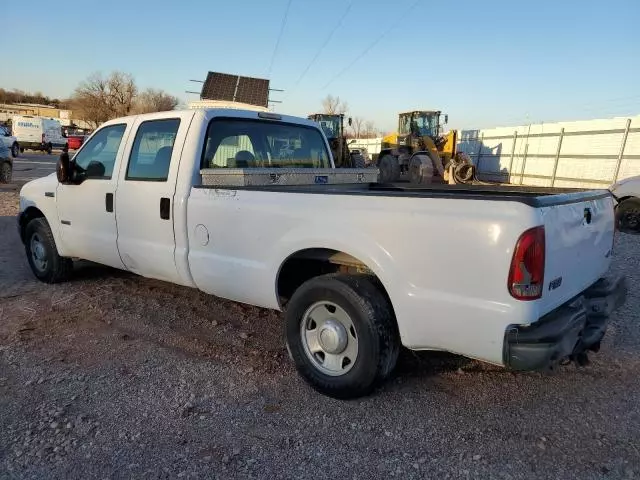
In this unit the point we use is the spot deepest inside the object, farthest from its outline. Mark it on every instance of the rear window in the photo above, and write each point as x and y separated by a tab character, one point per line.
245	143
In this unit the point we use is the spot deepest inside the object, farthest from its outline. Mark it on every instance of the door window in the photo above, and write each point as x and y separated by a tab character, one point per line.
98	156
152	148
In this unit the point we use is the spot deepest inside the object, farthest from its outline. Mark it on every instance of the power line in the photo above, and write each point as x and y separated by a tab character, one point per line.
373	44
275	50
326	42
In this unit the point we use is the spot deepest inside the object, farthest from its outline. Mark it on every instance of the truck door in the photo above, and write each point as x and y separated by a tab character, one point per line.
144	201
85	207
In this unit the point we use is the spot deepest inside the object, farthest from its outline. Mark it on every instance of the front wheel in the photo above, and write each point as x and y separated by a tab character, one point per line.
45	262
15	150
389	169
628	216
342	334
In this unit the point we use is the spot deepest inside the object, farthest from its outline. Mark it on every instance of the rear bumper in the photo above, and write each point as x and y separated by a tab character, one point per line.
566	333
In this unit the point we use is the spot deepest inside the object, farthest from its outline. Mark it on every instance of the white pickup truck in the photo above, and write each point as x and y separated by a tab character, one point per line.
510	276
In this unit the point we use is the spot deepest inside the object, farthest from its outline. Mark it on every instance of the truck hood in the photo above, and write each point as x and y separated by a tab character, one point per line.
35	189
628	187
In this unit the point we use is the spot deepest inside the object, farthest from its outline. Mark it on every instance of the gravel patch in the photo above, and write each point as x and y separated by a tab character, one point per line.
117	376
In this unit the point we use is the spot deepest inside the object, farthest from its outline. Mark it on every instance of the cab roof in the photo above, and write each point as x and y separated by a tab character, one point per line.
420	111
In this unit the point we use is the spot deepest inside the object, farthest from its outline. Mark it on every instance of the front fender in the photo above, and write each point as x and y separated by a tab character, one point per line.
40	196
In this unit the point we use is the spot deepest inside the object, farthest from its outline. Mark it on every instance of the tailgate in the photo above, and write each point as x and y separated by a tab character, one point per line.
579	241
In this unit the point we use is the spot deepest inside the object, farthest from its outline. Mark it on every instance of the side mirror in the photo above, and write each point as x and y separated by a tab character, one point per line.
446	119
95	170
63	168
349	121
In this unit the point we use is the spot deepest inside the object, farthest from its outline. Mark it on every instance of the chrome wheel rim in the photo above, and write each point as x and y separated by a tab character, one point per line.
38	253
329	338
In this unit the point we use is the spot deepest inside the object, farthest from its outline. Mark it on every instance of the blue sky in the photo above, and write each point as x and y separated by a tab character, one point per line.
489	63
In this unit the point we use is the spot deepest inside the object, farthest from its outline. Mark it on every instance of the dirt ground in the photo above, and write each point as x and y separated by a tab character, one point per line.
115	376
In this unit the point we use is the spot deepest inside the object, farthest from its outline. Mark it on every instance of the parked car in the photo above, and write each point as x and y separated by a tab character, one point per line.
627	192
360	269
75	141
6	164
38	133
9	141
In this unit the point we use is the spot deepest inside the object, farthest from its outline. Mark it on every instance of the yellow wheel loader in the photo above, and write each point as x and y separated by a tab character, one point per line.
333	127
419	151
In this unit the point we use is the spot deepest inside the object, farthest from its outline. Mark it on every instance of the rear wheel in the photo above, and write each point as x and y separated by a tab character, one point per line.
628	216
5	172
45	262
49	149
358	161
389	169
342	334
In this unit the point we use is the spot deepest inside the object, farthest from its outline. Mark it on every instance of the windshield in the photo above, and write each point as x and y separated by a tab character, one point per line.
330	125
421	123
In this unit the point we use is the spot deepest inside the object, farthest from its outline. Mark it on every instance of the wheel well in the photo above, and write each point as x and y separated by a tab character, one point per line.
313	262
28	215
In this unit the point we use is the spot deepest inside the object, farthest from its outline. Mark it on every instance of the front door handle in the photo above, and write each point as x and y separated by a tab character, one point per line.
165	208
108	202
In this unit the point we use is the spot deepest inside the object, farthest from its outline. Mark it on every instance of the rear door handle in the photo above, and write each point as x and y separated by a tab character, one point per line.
165	208
108	202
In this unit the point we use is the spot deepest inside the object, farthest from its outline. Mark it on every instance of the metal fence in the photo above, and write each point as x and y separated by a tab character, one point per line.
592	153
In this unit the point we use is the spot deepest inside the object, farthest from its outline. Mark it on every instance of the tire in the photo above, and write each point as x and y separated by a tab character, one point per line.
6	171
372	339
45	262
49	149
358	161
628	216
21	150
420	170
15	150
389	169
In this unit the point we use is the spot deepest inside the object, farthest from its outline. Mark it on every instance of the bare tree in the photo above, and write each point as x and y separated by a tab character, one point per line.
356	126
332	105
18	96
100	98
369	130
152	100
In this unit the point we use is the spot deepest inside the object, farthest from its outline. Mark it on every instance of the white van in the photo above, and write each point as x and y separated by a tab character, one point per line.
38	133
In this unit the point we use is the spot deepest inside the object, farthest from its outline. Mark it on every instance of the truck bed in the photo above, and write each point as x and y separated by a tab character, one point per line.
532	196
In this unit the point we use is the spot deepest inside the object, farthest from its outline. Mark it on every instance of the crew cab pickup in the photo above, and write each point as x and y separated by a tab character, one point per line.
507	275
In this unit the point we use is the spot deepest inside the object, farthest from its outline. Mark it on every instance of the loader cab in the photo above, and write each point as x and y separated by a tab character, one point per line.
421	123
332	124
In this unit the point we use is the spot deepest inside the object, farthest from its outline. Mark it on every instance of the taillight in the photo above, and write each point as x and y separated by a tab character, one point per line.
526	274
